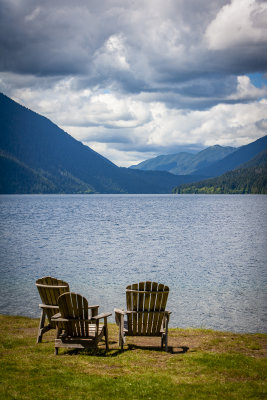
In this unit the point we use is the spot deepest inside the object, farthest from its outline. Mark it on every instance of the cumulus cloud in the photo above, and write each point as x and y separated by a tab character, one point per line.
137	79
240	23
246	90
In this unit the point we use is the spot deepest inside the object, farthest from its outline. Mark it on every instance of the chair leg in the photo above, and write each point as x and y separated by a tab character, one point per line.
165	335
121	332
41	327
121	339
106	333
166	342
58	332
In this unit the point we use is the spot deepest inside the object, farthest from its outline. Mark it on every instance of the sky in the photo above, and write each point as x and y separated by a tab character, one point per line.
134	79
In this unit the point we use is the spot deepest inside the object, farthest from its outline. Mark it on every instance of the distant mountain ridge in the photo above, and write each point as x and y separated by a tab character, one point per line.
250	177
232	161
36	156
185	163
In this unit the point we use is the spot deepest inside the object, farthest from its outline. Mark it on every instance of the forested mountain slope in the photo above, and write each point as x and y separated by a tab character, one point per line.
36	156
185	163
250	177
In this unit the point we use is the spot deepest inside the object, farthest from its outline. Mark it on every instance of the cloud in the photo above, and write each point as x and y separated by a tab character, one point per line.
137	79
240	23
246	90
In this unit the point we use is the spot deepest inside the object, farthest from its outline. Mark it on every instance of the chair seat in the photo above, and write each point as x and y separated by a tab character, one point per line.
81	342
76	343
92	333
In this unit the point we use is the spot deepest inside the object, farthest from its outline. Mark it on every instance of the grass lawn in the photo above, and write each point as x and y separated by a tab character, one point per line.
200	364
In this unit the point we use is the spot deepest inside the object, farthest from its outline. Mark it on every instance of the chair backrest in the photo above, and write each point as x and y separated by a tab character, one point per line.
74	307
50	289
146	303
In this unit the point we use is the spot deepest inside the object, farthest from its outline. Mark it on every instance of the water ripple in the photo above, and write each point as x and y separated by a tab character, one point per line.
210	250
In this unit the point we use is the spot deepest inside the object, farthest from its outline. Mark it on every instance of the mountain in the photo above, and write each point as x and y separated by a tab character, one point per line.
36	156
250	177
232	161
164	162
185	163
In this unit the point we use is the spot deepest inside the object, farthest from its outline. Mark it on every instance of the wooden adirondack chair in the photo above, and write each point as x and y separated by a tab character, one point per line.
74	328
146	315
49	289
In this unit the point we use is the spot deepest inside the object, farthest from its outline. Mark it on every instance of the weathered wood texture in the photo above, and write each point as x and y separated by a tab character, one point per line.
75	328
49	289
146	315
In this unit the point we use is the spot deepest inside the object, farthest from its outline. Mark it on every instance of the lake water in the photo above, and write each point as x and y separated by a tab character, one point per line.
211	250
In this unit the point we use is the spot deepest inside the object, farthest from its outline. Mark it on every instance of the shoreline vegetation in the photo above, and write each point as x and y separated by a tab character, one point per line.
250	180
200	364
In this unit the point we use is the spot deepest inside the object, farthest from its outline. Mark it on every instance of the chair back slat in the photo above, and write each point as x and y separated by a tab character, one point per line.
81	306
148	287
130	308
134	295
147	301
67	312
164	300
157	316
77	313
140	308
152	307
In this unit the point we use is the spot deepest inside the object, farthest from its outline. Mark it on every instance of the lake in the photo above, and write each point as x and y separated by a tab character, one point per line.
211	250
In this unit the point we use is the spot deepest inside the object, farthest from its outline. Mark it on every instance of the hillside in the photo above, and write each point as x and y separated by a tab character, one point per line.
36	156
165	162
185	163
250	177
232	161
17	177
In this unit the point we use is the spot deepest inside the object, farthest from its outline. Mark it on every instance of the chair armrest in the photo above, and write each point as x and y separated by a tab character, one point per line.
100	316
56	316
90	307
119	316
60	319
119	311
166	319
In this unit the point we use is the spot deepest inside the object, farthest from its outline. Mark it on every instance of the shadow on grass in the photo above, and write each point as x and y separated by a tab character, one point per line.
171	349
130	347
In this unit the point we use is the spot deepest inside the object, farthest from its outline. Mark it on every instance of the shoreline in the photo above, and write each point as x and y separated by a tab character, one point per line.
171	328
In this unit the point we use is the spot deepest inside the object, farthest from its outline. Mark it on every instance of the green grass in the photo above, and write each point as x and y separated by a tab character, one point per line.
201	364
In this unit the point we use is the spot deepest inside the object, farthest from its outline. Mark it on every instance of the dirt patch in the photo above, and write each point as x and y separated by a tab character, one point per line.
195	340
